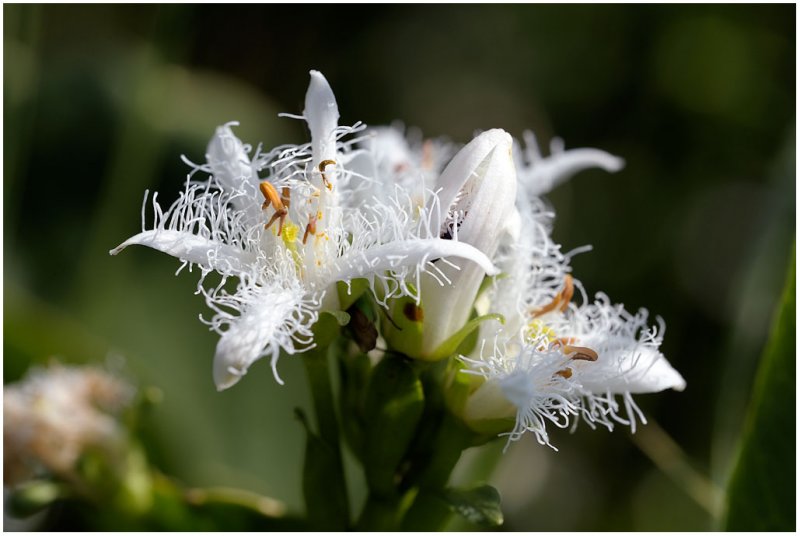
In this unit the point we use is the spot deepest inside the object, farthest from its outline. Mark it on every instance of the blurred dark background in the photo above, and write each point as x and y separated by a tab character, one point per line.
101	101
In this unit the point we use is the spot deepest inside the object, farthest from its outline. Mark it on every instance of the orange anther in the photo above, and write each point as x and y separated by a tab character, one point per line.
271	198
567	292
560	301
322	166
311	227
565	373
580	352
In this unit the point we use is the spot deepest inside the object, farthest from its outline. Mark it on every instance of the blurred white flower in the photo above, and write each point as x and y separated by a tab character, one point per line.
55	415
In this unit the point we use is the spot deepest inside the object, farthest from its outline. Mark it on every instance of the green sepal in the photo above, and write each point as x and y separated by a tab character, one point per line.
480	505
404	331
449	347
357	288
403	327
458	386
393	407
324	489
34	496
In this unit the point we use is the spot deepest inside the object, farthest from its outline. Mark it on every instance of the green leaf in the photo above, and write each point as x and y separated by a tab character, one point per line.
480	505
761	492
393	407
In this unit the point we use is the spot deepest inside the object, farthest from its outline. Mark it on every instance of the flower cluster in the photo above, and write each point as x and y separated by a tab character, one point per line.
56	415
450	241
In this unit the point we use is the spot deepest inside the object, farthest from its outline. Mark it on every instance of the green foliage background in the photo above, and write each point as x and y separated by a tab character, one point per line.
100	102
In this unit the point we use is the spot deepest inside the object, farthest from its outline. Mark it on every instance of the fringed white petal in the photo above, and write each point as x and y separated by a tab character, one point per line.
530	381
540	175
193	249
229	161
273	318
642	370
627	349
395	255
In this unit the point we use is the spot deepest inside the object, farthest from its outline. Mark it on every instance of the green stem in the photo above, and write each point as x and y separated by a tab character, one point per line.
429	511
319	379
380	514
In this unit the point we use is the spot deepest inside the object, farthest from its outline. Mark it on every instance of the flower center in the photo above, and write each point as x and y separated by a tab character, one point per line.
567	344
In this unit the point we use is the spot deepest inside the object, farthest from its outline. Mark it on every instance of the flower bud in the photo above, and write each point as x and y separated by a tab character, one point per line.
477	193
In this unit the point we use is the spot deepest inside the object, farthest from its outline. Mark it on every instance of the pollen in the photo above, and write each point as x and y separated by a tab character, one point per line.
290	233
537	328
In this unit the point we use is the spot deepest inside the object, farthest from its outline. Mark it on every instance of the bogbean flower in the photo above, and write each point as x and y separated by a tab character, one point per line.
555	361
289	224
424	230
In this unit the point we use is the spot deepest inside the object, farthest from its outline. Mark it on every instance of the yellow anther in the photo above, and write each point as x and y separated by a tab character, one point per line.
322	166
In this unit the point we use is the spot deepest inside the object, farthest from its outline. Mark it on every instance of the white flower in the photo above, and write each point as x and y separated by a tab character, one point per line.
572	364
291	235
477	189
54	415
555	360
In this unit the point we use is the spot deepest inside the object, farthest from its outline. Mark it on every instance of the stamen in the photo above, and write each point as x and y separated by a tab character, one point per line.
311	227
279	203
286	197
567	292
560	301
565	373
322	166
581	353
